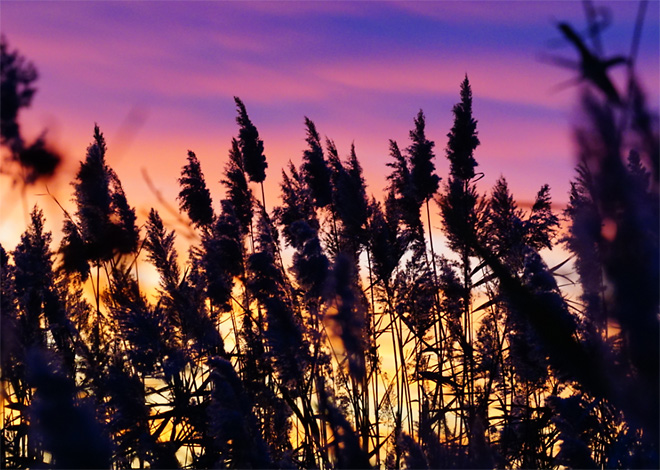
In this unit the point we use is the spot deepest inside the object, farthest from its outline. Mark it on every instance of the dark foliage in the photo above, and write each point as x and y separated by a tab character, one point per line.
122	229
310	264
238	191
92	195
161	252
146	329
542	224
186	309
402	196
33	272
315	169
459	203
36	292
18	76
128	415
583	239
349	201
194	197
628	245
37	160
63	424
415	296
283	332
459	209
576	425
105	221
296	206
463	137
345	443
386	242
232	423
300	228
507	231
222	258
453	296
592	67
347	313
252	147
504	227
72	250
8	312
425	182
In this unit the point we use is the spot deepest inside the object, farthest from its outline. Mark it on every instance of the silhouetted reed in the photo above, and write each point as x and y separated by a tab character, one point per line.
232	423
194	197
315	168
251	146
346	314
327	333
238	190
37	160
222	257
61	423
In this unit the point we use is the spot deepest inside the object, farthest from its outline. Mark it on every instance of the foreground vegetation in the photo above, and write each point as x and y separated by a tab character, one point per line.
360	346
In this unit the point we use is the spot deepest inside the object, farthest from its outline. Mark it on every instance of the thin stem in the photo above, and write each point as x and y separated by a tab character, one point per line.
263	195
374	373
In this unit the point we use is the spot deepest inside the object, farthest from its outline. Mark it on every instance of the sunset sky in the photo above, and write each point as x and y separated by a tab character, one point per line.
159	79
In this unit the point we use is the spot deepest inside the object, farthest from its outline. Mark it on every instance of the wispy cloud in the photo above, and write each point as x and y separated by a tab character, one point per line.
361	70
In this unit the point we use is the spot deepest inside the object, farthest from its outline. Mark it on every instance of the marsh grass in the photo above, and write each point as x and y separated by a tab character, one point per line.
365	347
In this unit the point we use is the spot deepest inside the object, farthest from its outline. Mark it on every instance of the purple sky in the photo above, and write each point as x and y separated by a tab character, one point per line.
159	78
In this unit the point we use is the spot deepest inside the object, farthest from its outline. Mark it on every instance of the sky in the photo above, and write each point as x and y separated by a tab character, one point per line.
159	78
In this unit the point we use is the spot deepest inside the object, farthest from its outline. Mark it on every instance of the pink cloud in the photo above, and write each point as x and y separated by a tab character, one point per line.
518	11
502	76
